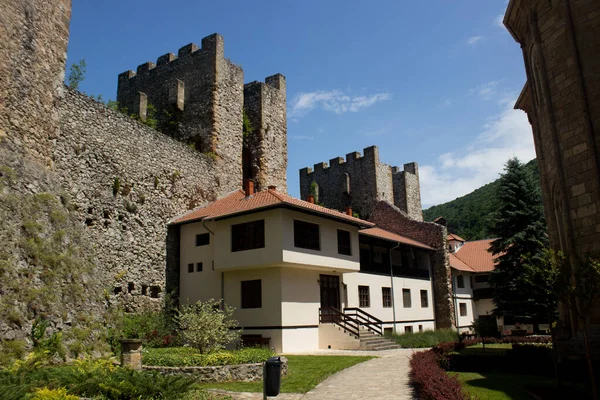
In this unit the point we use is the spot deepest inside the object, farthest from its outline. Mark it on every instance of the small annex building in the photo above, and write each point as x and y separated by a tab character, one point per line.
294	270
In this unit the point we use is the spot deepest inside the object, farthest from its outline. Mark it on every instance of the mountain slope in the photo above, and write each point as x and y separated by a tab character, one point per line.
471	216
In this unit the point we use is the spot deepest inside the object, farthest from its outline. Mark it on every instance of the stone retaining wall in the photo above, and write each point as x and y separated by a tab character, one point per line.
225	373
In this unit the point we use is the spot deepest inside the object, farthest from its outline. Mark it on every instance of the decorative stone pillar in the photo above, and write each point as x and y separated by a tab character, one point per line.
131	353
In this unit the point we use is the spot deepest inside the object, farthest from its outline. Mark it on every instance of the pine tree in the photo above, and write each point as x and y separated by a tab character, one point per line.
522	281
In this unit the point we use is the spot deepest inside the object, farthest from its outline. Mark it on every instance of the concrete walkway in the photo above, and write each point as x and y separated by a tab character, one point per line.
385	377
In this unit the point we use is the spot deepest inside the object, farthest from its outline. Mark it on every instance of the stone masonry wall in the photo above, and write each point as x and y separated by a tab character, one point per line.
32	63
391	218
561	50
360	182
198	96
265	106
158	178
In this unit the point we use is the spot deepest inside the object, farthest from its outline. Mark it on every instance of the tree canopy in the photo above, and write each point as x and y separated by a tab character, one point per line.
523	279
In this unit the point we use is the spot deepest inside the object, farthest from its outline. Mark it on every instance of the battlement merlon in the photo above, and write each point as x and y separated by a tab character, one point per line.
370	153
410	168
213	45
276	81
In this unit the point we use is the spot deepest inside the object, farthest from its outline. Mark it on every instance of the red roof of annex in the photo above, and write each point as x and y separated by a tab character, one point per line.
474	255
238	203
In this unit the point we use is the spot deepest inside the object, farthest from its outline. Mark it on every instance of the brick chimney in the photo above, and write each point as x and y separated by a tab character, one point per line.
311	199
249	187
349	210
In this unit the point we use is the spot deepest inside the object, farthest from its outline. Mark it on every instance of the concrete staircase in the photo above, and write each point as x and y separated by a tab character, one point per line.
372	341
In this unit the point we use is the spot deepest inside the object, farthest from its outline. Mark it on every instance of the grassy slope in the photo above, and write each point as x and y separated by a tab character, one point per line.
470	216
304	373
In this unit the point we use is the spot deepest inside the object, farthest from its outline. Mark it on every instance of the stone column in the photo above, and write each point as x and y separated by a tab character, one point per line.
131	353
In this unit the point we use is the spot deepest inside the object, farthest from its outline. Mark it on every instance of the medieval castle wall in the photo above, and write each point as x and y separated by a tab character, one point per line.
561	50
120	180
361	181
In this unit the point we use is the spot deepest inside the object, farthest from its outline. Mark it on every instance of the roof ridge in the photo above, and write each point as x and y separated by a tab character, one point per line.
203	205
277	195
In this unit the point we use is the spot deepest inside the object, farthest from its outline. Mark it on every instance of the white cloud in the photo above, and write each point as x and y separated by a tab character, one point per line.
473	40
334	101
486	90
463	170
498	21
302	137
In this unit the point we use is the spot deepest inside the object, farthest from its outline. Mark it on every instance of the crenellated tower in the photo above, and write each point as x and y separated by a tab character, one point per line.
265	147
360	182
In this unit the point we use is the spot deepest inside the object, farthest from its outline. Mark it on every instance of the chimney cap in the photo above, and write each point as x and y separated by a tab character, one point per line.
272	187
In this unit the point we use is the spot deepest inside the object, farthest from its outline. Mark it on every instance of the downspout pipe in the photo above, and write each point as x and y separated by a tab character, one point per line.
392	284
203	220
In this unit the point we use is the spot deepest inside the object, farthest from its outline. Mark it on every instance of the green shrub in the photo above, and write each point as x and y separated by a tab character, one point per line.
187	357
157	328
207	327
426	338
53	394
93	379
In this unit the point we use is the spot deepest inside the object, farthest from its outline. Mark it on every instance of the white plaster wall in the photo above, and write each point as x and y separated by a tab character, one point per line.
301	296
203	285
333	337
270	312
301	339
328	257
270	255
464	295
376	282
484	307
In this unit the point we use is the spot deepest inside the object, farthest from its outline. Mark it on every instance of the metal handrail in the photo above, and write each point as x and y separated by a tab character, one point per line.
367	320
342	320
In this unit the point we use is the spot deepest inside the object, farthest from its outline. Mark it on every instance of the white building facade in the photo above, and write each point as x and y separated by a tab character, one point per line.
287	266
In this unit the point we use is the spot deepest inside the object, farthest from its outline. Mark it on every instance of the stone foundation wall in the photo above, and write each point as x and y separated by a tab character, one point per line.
225	373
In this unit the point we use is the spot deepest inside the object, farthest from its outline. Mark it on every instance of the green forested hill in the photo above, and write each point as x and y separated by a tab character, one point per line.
470	216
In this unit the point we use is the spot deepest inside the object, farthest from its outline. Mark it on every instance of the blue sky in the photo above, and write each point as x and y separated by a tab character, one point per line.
431	81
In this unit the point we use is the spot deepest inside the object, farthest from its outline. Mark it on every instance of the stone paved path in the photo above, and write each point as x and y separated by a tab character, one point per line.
385	377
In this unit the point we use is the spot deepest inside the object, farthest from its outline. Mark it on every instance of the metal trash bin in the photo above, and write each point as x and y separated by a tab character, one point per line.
272	377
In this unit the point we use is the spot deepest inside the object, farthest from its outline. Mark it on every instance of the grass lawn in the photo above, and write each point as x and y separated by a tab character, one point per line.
304	373
499	386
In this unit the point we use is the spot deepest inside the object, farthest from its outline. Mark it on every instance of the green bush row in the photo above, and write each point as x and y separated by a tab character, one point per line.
189	357
91	379
425	339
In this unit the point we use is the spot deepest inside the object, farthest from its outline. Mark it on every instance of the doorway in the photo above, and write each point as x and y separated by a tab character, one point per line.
330	296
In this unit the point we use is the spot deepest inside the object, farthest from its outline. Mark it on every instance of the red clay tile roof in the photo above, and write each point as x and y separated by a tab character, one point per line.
476	255
383	234
438	219
237	203
452	236
457	264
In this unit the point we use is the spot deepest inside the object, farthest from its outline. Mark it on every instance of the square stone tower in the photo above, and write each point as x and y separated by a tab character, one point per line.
360	182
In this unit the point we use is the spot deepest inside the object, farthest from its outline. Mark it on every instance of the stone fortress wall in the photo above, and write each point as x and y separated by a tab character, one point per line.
360	182
125	179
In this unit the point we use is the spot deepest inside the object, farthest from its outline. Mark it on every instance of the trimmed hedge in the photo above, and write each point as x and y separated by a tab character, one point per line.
190	357
429	379
425	339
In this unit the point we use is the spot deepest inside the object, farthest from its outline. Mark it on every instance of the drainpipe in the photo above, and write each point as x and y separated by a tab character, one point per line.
203	220
392	283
